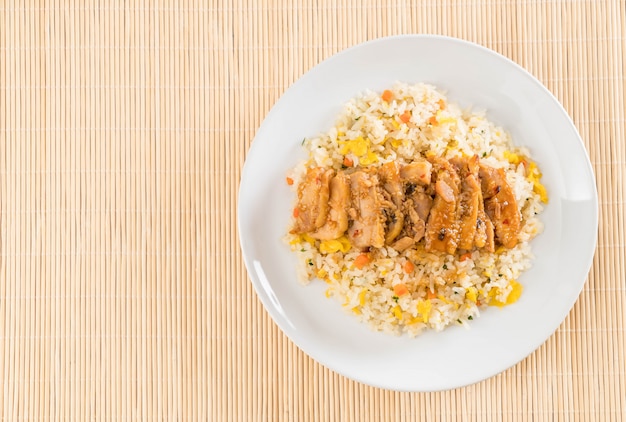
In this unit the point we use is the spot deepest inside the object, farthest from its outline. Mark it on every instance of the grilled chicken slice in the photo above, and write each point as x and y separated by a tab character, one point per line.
368	228
469	200
415	227
416	207
313	195
489	243
422	203
442	229
337	221
417	172
417	203
394	218
390	180
484	236
403	244
500	205
468	220
389	176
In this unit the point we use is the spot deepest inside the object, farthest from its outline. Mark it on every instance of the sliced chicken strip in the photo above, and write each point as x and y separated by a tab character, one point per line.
417	203
417	172
339	202
468	220
467	168
442	229
313	195
390	180
484	236
500	205
394	220
490	235
368	221
403	244
422	203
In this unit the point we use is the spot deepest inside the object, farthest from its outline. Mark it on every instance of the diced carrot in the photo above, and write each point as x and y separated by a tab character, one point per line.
361	261
296	212
387	95
408	267
400	289
405	117
289	181
430	294
347	161
442	104
432	120
465	256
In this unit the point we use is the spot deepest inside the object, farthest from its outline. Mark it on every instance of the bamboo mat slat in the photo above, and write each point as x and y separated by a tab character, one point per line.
124	126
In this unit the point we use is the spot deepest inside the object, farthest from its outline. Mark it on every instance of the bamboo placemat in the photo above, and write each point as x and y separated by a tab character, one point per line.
124	126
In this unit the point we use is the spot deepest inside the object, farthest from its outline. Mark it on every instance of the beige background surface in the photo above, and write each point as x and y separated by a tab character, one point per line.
124	126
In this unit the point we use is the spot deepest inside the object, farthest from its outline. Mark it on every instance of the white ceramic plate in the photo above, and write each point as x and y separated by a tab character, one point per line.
472	76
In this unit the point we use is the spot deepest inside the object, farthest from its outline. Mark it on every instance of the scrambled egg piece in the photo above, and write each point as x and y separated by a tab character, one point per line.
424	307
515	294
397	311
370	158
335	245
358	146
472	294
